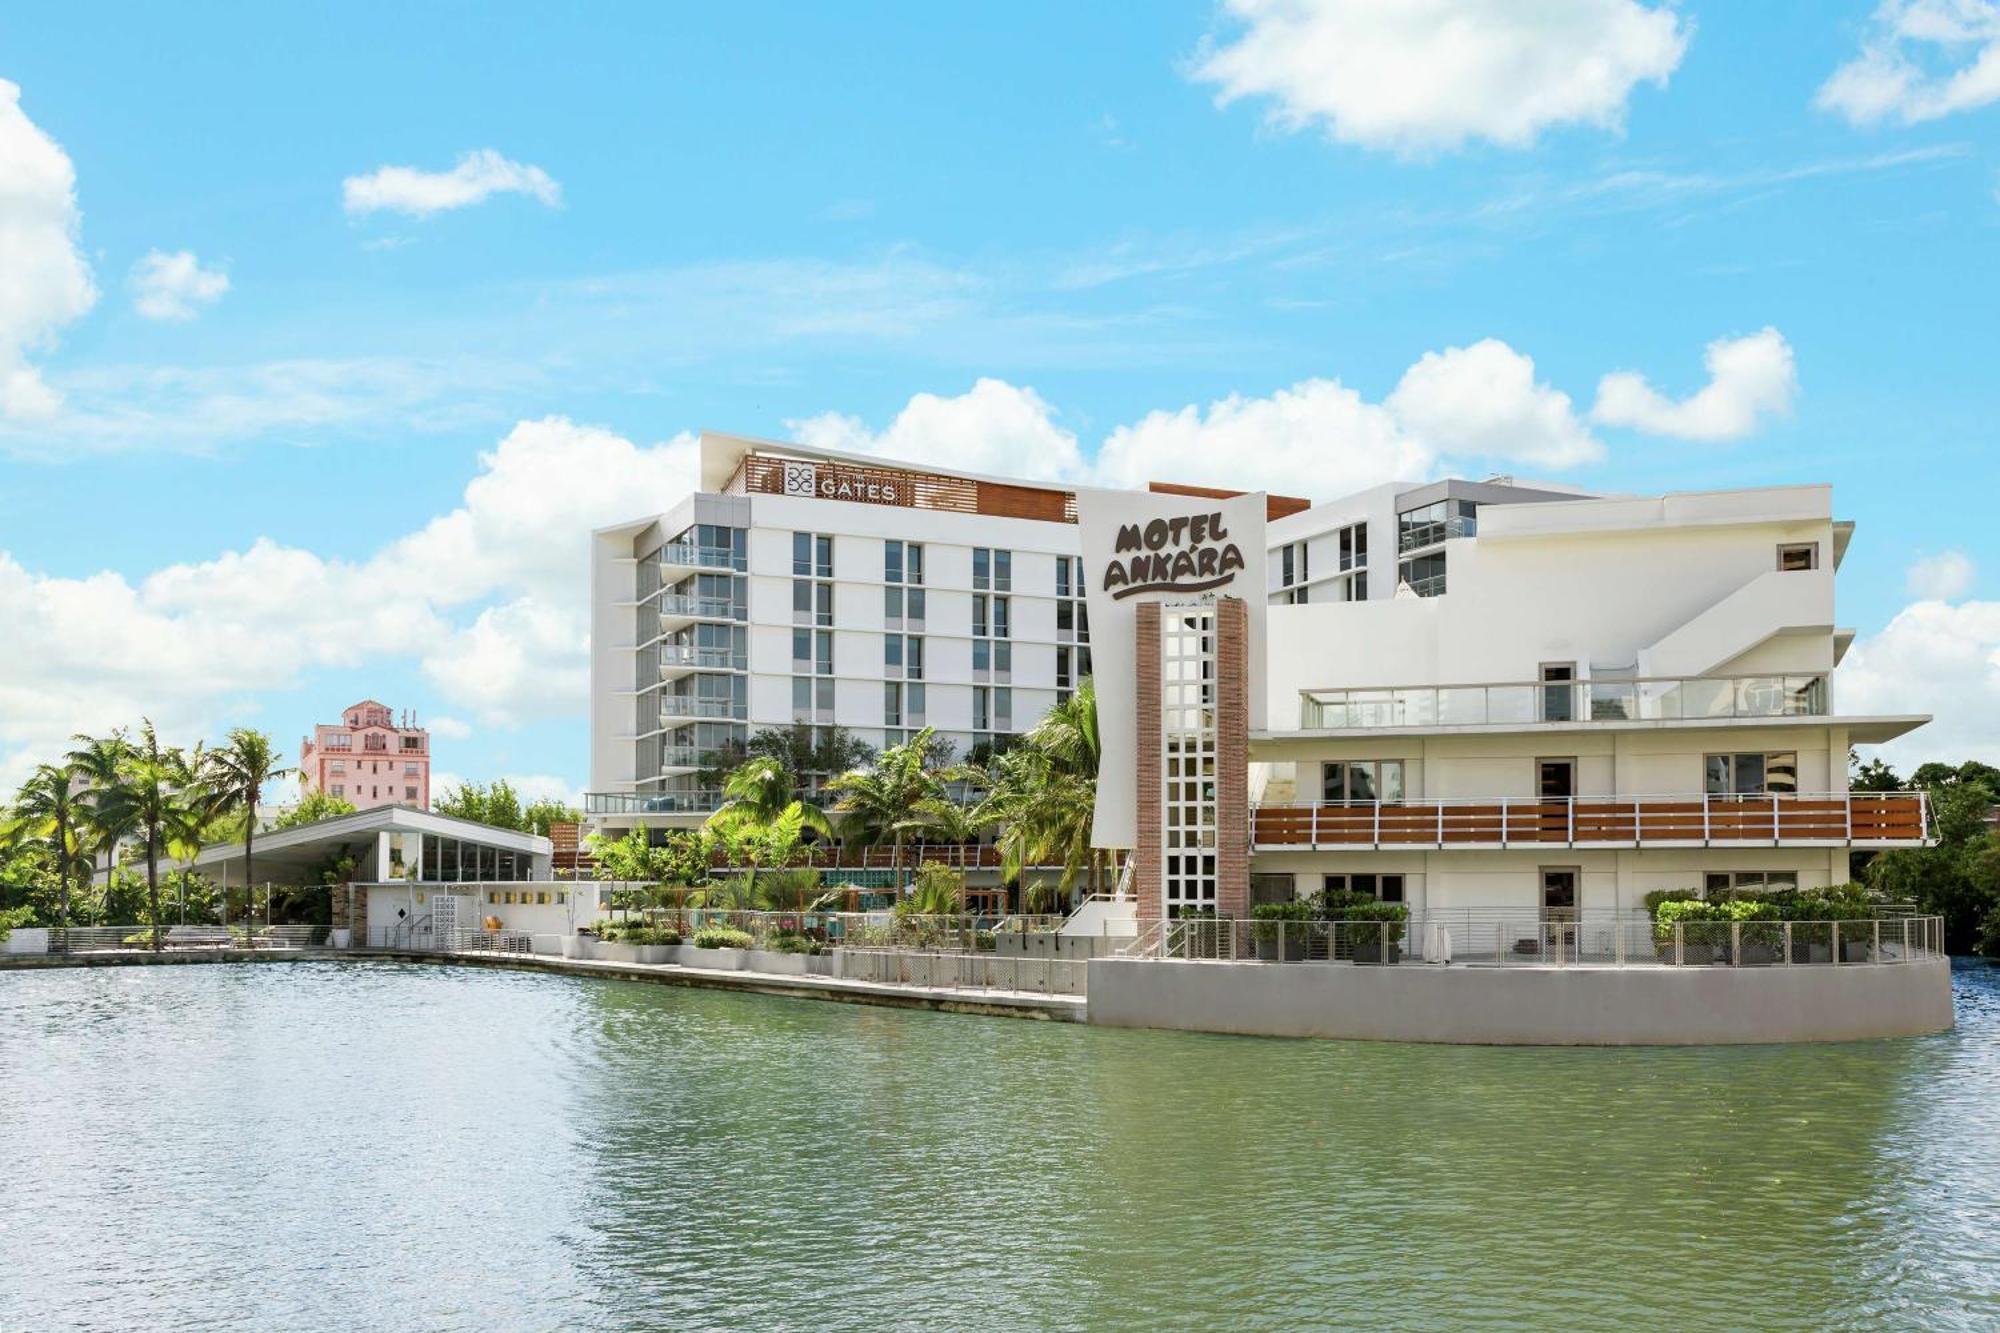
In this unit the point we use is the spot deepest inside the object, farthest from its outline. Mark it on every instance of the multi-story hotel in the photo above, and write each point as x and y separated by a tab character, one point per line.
370	757
1457	693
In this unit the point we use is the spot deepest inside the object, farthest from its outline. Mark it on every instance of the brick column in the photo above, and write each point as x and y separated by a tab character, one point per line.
338	907
358	914
1232	757
1148	882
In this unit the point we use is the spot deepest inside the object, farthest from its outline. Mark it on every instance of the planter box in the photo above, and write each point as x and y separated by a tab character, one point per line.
770	960
716	960
651	953
340	937
1294	950
1761	955
1377	952
616	952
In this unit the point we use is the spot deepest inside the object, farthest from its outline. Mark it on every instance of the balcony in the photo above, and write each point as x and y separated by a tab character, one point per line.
1836	819
679	658
678	708
1646	699
678	608
678	558
651	803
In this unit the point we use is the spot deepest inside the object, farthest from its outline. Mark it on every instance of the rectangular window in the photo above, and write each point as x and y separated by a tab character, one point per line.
802	698
913	657
1425	574
1003	571
823	556
982	567
916	607
1065	670
979	620
1363	780
822	603
823	695
1287	575
1062	576
409	793
1751	774
802	653
1354	546
892	704
982	708
1558	691
913	562
802	601
802	554
823	652
982	654
892	562
1001	606
1003	657
1066	619
1802	555
339	790
1386	888
892	654
892	605
913	701
1003	710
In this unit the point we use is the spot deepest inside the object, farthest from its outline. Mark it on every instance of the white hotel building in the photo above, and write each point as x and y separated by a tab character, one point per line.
1471	694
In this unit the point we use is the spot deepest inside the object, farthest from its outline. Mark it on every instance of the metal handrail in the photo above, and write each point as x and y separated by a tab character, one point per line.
1616	820
1623	699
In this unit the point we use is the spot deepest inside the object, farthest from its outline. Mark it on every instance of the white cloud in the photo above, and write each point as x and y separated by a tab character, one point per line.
45	281
478	176
1749	378
173	286
1944	577
1921	60
1316	438
528	786
994	427
188	644
1422	75
1932	658
1483	401
449	727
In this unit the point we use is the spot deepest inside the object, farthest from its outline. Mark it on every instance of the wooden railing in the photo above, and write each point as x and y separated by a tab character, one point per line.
1858	818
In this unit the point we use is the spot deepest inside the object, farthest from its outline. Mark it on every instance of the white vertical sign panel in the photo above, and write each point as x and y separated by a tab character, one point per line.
1141	546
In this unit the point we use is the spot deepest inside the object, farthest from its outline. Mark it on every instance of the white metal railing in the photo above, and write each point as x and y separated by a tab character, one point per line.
675	655
1652	698
691	555
677	707
651	803
421	937
679	606
1503	938
1697	819
963	971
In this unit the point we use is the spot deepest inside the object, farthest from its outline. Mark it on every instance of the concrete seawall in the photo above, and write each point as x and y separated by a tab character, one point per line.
1527	1006
998	1003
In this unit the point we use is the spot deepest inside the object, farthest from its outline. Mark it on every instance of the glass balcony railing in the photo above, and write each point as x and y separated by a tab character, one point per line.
1416	536
678	606
687	756
651	803
1652	699
683	656
680	707
688	555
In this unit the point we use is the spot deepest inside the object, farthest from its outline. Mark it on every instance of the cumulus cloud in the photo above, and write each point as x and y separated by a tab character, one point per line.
46	281
1944	577
488	597
1934	658
1920	60
994	427
1749	379
175	286
478	176
1424	75
1484	401
450	728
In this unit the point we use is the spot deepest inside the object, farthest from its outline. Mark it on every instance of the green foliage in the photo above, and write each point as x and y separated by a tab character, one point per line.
722	937
538	815
1958	878
792	941
313	807
498	804
645	934
1875	775
938	890
11	917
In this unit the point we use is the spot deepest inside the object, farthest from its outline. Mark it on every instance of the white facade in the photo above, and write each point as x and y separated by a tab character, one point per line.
1609	696
784	612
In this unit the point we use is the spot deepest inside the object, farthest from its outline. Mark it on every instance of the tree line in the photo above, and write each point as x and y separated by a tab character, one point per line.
1958	877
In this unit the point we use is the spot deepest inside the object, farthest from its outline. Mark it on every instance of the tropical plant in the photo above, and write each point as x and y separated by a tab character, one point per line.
498	805
98	764
47	812
938	890
313	807
891	801
1042	795
234	778
722	937
146	800
759	791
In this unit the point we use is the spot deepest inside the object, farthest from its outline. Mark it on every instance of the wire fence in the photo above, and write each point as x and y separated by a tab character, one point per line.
1505	939
965	971
962	932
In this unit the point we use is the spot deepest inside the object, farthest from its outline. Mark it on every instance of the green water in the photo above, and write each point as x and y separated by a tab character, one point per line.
322	1146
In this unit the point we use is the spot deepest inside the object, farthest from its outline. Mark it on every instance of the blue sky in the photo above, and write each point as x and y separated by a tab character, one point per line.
234	476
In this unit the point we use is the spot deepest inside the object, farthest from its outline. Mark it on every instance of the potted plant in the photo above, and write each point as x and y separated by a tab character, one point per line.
1376	930
1758	932
1279	930
1703	927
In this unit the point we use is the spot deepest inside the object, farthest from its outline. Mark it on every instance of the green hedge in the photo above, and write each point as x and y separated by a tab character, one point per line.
722	937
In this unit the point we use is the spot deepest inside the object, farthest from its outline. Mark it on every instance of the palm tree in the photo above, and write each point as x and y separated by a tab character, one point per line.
1042	794
892	799
146	799
759	790
189	815
235	777
98	763
48	811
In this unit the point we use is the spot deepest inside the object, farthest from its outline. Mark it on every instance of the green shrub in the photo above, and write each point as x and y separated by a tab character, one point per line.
637	934
938	890
1657	897
791	941
1372	922
722	937
11	917
1268	915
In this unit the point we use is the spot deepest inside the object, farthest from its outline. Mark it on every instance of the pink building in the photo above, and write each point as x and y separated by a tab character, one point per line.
369	758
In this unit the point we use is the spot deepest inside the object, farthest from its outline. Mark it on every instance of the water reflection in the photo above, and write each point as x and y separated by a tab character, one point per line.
375	1146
